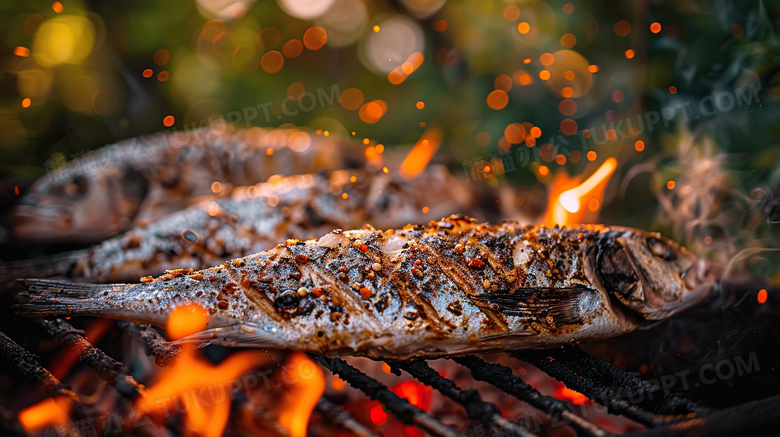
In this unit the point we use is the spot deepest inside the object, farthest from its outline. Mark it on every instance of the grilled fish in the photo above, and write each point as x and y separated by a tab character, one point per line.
141	179
452	287
254	219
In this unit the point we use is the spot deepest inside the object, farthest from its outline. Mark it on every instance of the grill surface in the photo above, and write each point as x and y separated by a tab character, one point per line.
662	413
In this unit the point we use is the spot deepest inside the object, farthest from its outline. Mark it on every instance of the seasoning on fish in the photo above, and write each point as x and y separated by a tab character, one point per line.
107	191
570	284
254	219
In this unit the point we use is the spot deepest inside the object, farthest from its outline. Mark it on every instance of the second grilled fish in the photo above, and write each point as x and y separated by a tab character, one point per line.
108	190
256	218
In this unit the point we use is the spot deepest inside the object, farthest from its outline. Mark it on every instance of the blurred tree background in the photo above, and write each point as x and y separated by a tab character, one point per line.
552	85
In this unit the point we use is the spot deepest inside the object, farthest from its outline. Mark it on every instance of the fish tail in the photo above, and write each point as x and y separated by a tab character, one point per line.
42	267
50	298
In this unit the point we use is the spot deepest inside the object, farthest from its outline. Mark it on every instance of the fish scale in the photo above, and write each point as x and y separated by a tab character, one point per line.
445	307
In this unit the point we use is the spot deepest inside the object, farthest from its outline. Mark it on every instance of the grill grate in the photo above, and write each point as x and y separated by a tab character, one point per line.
503	378
470	399
608	385
662	413
401	408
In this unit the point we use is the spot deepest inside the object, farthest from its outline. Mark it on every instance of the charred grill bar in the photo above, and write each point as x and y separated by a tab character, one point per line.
401	408
109	369
472	402
337	416
503	378
609	385
28	364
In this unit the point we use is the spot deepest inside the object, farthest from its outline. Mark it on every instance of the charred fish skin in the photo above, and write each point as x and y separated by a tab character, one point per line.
256	218
140	179
453	287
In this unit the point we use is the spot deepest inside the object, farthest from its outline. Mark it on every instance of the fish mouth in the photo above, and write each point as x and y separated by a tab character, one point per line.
693	282
638	293
698	283
35	223
48	224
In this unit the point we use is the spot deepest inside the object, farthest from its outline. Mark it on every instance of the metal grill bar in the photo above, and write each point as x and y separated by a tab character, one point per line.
401	408
30	366
745	419
339	417
109	369
503	378
163	352
472	402
607	384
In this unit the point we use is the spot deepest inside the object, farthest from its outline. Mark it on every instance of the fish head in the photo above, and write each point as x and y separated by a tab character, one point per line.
78	206
649	275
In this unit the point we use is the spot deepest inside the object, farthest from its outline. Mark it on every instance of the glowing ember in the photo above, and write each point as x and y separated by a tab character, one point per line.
421	154
378	415
50	412
22	51
304	384
570	395
567	197
762	296
416	393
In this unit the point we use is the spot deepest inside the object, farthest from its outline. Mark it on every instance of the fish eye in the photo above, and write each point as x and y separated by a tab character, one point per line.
660	249
76	186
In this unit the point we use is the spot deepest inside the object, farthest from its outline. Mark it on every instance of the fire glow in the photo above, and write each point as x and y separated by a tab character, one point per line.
567	197
303	388
50	412
421	154
190	373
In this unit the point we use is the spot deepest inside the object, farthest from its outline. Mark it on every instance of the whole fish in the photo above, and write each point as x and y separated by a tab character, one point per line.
453	287
256	218
108	190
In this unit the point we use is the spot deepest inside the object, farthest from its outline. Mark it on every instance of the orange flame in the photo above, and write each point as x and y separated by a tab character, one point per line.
574	203
421	154
192	385
186	320
304	385
49	412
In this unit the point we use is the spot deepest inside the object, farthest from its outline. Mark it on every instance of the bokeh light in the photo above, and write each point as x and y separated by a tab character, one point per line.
569	61
386	50
63	39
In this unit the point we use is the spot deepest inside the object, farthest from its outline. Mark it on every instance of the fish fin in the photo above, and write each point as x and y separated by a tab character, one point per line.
50	297
239	335
562	304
